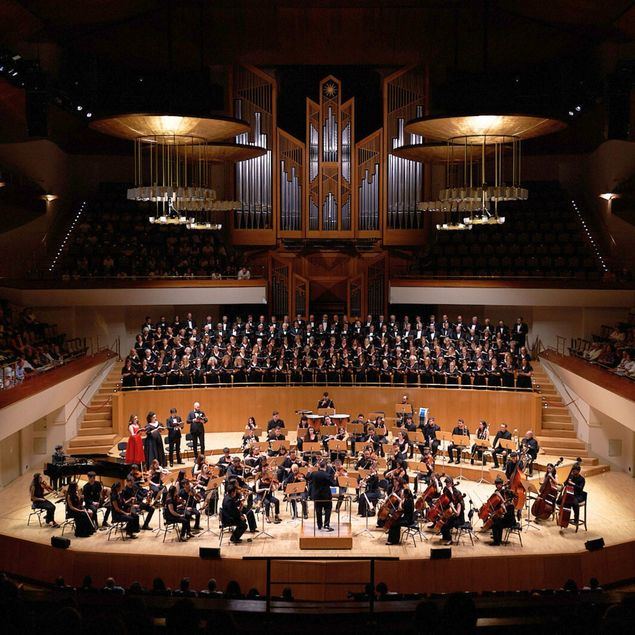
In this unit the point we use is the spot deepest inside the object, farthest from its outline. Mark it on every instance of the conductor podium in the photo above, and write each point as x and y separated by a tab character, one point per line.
342	535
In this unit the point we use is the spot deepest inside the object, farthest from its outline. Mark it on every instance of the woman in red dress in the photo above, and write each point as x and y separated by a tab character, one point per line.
134	451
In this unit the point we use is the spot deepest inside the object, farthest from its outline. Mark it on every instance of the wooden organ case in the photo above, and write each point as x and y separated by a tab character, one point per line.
328	189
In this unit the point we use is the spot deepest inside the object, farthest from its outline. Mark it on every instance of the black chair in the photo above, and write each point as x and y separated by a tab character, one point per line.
515	530
122	446
466	529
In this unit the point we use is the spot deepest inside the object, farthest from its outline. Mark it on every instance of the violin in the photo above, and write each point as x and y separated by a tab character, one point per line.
545	503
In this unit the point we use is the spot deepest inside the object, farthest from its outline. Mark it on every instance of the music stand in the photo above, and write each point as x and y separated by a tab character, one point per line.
484	445
460	441
294	493
314	448
262	531
403	409
338	446
442	435
355	428
276	444
328	431
263	446
326	412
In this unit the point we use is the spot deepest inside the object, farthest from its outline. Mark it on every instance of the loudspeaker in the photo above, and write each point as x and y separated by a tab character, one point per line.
594	545
208	553
441	553
60	542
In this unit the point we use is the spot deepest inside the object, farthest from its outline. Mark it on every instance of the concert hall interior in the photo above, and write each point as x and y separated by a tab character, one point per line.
317	310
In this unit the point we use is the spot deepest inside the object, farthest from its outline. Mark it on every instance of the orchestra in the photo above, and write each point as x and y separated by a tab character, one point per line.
382	464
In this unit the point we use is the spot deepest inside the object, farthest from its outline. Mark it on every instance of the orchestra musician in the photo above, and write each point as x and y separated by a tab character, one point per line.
275	421
482	433
321	482
190	499
58	458
508	516
265	488
457	516
231	515
295	476
134	498
123	511
325	402
83	517
455	450
175	426
513	462
579	495
224	461
503	433
174	514
368	500
430	429
424	476
197	420
248	438
94	497
407	518
155	479
38	490
529	447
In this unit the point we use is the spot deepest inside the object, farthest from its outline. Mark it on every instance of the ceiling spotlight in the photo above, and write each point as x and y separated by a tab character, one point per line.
608	196
49	197
578	108
571	113
80	108
89	115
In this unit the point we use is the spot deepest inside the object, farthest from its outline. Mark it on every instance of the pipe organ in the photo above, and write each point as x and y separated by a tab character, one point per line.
329	185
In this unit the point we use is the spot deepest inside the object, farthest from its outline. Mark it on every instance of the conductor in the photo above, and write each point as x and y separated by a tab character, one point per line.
197	420
321	482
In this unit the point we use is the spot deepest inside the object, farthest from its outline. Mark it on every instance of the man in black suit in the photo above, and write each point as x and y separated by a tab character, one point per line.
519	332
231	515
502	330
321	483
174	425
275	421
503	433
197	420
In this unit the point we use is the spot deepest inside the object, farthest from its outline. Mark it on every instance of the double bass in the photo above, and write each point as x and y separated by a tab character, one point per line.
517	488
566	499
545	503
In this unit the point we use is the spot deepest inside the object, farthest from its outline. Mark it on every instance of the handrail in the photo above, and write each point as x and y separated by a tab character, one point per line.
370	559
89	385
571	400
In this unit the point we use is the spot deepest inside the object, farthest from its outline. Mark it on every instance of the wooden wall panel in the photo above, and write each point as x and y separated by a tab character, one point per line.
228	408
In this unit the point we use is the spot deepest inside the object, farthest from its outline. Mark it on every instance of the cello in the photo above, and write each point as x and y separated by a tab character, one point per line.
545	502
516	486
390	511
567	497
493	507
425	498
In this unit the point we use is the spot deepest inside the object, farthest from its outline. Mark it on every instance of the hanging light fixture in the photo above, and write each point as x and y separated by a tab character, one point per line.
483	158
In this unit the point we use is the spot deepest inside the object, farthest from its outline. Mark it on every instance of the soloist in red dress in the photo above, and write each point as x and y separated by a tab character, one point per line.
134	451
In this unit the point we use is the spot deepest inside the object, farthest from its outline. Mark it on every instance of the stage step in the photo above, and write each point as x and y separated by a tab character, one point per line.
562	442
566	452
548	415
99	431
97	416
559	433
557	425
93	440
93	449
593	470
97	423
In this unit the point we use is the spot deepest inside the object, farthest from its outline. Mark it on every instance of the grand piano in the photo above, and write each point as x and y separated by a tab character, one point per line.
76	465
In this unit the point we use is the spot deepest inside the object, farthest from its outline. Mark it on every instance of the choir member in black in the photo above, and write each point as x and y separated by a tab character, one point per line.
197	420
519	332
197	376
308	368
508	519
325	402
191	498
123	512
430	429
275	421
507	369
529	445
400	372
503	433
458	512
128	375
224	461
320	372
370	372
83	517
454	450
494	375
174	424
174	378
280	373
426	371
321	483
406	520
153	442
579	495
480	374
161	372
452	375
523	377
173	513
136	498
439	371
413	370
466	374
146	376
38	491
482	433
212	372
295	476
94	495
295	371
385	372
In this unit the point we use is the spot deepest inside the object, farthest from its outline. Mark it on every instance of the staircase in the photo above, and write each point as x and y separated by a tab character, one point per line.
558	437
96	434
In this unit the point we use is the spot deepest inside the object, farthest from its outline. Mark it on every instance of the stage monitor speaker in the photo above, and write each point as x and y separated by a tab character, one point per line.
441	553
209	553
595	544
60	542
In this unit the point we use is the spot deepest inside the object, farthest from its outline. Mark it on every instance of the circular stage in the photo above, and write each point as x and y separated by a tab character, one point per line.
546	558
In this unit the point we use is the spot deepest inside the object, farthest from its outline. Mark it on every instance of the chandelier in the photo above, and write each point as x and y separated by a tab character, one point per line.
482	155
172	164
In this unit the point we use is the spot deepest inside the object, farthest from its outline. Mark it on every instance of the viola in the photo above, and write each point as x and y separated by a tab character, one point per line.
545	503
